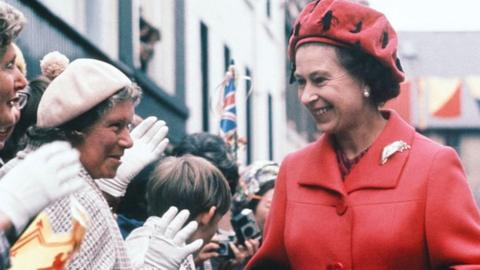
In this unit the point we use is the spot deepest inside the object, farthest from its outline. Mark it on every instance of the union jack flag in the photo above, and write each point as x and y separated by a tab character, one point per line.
228	121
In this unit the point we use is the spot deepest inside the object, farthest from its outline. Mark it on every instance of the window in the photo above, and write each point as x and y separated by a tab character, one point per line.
102	31
204	72
270	126
268	8
452	138
226	57
149	35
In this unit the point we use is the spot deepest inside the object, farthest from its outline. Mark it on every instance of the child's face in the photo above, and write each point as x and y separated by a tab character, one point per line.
206	231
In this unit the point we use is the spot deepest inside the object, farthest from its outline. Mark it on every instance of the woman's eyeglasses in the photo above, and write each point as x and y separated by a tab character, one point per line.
20	100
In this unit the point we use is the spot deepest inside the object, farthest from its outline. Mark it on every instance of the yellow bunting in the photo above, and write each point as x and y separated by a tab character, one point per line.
41	248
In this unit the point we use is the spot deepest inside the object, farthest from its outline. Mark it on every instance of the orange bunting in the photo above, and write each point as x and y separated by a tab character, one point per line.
444	96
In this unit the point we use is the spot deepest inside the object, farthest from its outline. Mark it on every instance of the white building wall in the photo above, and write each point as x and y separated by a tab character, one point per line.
271	79
229	23
255	41
109	32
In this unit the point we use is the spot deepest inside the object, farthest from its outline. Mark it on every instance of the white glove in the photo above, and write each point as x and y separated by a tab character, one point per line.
46	175
149	142
160	242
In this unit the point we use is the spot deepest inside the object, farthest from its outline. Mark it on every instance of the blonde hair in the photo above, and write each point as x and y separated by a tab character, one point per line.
187	182
20	60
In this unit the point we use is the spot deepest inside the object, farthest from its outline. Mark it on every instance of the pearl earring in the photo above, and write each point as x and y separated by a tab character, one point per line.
366	93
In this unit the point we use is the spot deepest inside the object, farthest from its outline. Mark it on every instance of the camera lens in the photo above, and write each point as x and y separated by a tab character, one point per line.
248	232
221	248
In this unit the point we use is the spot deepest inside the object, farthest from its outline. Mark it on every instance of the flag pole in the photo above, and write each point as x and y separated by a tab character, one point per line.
235	134
235	146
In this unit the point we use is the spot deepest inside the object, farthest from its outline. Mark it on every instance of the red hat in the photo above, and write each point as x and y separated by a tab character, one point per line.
347	24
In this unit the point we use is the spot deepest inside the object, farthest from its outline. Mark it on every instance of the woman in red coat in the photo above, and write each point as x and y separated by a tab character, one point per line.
371	193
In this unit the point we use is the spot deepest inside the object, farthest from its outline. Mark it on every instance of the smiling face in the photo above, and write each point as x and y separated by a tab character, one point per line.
11	81
330	93
104	143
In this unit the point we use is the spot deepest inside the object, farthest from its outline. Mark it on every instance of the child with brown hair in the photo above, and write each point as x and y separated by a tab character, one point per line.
192	183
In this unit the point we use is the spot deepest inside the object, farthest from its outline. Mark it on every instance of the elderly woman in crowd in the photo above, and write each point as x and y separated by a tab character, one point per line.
371	193
91	105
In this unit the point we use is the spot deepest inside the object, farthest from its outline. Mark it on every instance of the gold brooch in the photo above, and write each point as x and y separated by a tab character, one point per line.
389	150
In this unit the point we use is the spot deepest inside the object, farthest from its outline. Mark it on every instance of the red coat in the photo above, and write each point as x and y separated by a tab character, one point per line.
414	212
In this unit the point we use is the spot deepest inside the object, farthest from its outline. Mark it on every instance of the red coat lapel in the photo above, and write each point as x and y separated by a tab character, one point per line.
368	172
320	167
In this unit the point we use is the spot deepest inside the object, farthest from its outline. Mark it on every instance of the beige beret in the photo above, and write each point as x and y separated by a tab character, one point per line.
80	87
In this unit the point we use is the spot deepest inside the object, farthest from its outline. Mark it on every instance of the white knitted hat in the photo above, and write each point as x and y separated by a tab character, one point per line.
80	87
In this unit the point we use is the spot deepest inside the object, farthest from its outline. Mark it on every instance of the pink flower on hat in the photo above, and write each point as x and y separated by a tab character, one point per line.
53	63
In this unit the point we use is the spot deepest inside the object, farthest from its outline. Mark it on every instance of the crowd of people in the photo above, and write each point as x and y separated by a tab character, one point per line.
71	136
370	193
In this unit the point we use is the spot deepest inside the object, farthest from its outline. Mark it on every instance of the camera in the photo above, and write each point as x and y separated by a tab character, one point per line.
246	226
224	249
